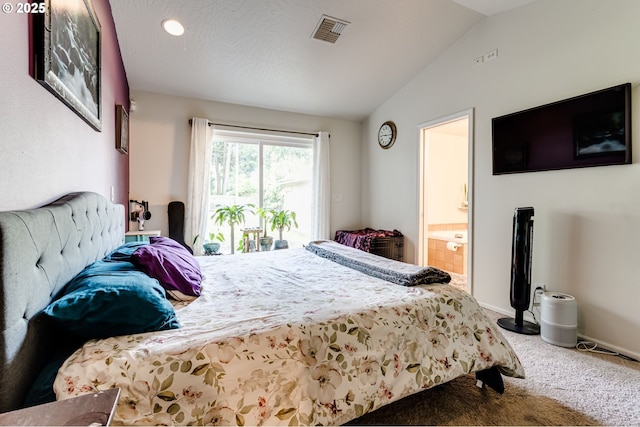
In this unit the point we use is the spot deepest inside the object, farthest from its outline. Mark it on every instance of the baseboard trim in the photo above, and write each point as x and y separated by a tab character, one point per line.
608	346
510	313
602	344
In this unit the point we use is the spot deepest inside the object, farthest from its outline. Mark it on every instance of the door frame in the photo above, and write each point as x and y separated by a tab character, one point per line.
423	243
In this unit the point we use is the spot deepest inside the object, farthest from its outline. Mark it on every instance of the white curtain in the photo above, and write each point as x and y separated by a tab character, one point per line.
197	206
321	208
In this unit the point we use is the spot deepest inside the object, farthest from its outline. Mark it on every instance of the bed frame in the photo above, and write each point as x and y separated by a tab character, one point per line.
40	251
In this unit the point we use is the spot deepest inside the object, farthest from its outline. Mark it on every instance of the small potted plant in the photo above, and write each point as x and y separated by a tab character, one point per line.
231	215
465	202
265	241
211	247
245	244
279	221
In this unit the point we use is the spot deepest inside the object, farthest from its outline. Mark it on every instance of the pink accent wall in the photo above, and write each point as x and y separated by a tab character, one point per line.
113	69
46	149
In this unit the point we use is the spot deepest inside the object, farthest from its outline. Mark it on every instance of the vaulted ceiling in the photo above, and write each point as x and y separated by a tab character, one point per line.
261	52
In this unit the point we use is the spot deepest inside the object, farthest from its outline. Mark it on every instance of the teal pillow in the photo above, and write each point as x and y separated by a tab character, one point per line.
124	252
110	298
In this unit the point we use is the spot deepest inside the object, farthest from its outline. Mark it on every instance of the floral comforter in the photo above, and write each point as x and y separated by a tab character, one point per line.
289	338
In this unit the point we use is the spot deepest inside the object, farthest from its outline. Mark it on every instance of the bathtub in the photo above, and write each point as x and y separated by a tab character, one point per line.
458	236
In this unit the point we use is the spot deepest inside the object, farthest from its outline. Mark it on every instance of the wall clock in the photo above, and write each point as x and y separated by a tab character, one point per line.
387	134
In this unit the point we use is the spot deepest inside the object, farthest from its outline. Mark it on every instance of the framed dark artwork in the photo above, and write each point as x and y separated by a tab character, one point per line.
122	129
66	56
599	134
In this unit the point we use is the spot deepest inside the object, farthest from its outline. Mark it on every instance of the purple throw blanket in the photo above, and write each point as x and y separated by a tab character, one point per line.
362	239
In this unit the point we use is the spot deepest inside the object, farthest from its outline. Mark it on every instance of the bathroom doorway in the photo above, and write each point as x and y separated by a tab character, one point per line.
445	200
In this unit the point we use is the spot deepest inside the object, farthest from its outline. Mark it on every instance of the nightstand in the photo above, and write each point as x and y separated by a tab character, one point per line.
95	409
140	236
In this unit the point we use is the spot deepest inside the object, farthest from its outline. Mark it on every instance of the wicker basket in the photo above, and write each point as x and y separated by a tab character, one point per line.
386	243
389	247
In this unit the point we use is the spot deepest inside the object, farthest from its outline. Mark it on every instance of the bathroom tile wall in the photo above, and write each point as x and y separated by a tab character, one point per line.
441	257
440	227
444	259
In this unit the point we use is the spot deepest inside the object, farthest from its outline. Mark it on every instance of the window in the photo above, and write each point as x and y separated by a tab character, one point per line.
262	171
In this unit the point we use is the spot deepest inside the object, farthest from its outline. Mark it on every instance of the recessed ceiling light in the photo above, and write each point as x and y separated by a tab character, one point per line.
173	27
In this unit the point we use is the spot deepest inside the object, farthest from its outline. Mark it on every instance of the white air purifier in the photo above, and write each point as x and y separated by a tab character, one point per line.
559	319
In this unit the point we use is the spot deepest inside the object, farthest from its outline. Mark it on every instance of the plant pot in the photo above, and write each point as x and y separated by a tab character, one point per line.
280	244
211	248
265	243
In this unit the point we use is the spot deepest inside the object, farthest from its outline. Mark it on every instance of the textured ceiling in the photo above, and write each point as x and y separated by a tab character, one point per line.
261	52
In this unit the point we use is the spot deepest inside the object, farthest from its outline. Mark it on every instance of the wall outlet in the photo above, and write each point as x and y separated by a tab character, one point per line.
337	197
491	55
538	290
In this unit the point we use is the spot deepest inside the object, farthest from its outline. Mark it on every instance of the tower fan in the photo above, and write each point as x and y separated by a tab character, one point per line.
521	273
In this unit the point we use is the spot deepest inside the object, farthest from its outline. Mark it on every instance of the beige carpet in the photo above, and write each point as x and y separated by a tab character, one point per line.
604	387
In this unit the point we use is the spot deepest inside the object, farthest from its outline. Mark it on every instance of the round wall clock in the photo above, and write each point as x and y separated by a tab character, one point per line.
387	134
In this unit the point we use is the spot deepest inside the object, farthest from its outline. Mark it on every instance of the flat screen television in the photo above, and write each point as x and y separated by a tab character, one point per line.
589	130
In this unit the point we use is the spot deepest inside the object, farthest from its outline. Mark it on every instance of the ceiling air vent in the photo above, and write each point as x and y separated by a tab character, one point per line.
329	29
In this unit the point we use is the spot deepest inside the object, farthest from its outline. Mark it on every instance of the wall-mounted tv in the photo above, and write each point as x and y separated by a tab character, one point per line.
588	130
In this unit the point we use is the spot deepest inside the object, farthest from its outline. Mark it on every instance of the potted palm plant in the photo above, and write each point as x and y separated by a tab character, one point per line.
279	221
265	241
231	215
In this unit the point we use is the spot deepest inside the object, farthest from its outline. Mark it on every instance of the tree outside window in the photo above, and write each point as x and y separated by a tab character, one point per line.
270	174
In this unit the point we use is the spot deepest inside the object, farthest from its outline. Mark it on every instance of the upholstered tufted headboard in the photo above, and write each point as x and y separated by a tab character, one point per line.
40	251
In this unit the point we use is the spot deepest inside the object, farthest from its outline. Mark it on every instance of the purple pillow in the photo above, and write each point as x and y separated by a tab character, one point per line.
171	264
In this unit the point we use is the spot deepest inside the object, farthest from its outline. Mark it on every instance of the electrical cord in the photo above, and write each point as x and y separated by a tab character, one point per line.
536	293
592	347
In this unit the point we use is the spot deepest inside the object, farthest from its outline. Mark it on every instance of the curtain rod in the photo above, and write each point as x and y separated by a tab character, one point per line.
252	128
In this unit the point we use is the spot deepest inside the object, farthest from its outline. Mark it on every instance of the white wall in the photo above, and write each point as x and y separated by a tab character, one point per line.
47	150
448	168
159	151
587	221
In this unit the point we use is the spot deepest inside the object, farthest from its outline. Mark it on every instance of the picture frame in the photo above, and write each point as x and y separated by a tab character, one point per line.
122	129
66	41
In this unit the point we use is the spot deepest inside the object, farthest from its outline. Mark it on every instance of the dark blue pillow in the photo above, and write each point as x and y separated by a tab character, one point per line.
110	298
41	391
124	252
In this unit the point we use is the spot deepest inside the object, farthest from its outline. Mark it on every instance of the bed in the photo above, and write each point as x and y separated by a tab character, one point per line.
289	337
